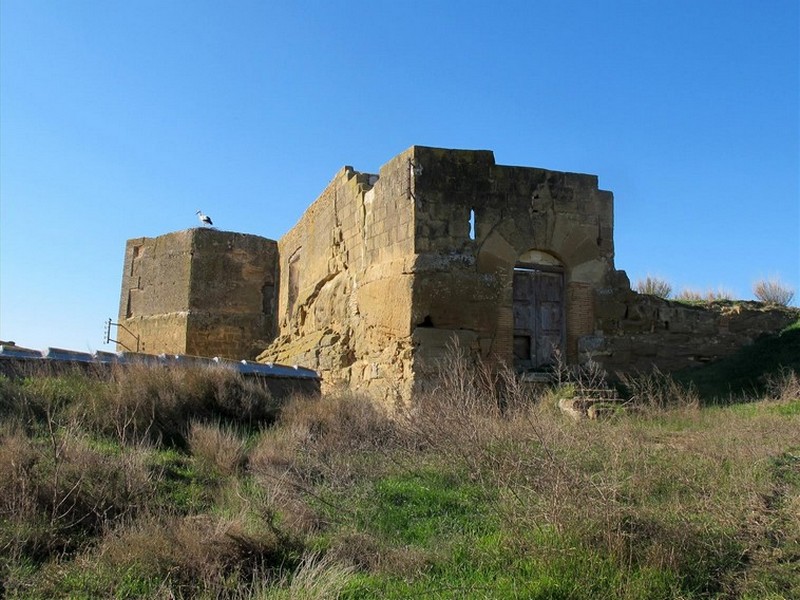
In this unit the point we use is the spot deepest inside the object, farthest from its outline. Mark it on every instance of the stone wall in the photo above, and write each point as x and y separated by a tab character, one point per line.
382	272
638	332
345	287
463	278
200	292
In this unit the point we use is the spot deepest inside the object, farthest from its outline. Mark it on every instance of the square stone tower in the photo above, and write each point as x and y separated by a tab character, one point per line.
200	292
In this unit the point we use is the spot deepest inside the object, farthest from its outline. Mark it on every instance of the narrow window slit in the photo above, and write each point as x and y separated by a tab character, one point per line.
472	224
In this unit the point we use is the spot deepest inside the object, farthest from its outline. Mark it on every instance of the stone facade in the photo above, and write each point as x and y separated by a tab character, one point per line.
199	292
385	270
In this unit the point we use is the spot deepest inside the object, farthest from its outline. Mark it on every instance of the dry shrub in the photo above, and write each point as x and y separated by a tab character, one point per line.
659	391
275	451
654	286
773	291
470	399
331	440
363	552
194	553
339	422
483	422
784	385
54	492
145	403
157	403
18	455
86	487
23	529
89	487
358	549
275	462
710	295
217	449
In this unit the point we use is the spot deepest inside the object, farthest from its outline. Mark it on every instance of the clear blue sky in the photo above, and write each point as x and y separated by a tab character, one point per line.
121	119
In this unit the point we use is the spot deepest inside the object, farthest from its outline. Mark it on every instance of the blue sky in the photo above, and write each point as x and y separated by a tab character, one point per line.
121	119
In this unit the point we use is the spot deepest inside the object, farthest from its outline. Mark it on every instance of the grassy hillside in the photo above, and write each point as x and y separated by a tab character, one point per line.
194	484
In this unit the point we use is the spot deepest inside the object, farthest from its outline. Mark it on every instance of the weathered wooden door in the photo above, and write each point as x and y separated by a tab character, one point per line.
538	316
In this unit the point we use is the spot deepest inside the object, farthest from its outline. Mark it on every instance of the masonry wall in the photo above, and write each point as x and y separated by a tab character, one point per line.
345	286
637	332
463	281
154	301
200	292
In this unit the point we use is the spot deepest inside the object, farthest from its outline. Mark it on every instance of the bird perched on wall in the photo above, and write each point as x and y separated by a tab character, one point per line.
204	219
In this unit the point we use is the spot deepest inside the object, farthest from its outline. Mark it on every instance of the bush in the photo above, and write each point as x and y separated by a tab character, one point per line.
193	555
654	286
158	404
340	421
773	291
56	491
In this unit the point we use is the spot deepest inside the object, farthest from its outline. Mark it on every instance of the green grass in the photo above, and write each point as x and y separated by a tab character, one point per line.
420	508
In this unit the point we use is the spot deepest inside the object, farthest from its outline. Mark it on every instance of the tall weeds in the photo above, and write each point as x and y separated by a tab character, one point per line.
480	488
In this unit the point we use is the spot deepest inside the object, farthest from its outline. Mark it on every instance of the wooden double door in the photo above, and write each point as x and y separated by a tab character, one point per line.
539	322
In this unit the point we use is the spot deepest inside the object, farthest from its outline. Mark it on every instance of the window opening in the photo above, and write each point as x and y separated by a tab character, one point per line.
472	224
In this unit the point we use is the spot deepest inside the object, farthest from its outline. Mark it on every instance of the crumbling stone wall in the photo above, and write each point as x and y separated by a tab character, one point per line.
639	332
200	292
345	284
383	272
463	284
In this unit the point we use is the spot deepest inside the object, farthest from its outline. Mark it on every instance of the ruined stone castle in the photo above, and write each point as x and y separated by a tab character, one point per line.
384	271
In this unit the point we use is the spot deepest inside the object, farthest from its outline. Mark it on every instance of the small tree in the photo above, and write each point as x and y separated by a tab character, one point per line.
655	286
773	291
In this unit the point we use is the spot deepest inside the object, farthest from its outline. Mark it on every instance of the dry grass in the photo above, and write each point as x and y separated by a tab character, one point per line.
218	449
710	295
54	491
657	391
157	404
341	421
783	386
318	577
192	553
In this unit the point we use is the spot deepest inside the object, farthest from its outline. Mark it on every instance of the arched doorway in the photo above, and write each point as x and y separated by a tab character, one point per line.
539	320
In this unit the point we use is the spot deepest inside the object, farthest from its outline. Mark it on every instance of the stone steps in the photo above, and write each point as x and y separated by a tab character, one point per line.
593	404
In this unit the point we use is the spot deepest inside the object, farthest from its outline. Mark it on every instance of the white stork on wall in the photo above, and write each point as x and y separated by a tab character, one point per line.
204	219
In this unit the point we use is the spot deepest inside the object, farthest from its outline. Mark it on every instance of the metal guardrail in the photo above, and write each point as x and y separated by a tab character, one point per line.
245	367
